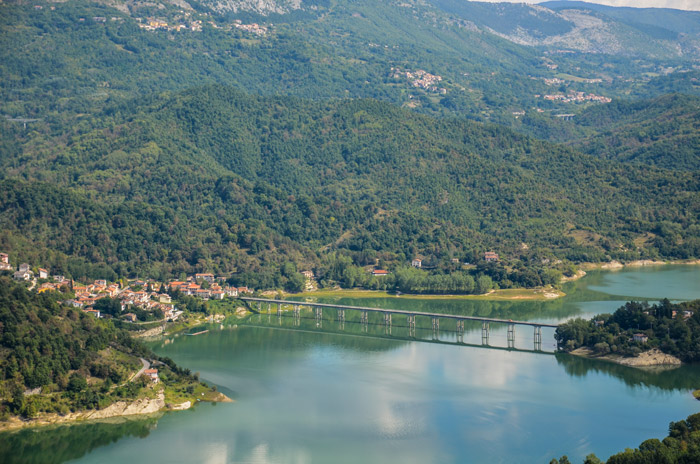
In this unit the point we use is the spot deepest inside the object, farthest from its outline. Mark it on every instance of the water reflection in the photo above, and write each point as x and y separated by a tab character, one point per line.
681	378
328	390
57	444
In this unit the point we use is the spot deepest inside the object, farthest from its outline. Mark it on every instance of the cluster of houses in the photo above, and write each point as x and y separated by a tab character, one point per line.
214	291
24	271
152	24
254	28
136	293
130	296
420	78
576	97
185	23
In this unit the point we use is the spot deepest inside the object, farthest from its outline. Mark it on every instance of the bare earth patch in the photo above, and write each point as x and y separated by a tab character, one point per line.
651	358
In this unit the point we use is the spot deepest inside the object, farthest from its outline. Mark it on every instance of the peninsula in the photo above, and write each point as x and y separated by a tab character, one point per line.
637	334
61	364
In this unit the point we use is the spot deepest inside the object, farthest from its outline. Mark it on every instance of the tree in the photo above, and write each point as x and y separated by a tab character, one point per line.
76	383
296	283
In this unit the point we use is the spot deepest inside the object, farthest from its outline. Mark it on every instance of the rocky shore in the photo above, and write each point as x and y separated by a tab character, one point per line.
142	406
651	358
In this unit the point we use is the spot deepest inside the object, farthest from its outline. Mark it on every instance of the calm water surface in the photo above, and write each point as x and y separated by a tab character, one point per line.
344	394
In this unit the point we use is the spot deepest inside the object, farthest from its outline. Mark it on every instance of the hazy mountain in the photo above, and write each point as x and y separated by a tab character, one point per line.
586	27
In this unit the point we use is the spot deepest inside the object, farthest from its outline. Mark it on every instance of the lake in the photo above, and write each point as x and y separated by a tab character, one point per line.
310	391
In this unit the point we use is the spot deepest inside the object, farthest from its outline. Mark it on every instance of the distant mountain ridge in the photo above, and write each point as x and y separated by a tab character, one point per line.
586	27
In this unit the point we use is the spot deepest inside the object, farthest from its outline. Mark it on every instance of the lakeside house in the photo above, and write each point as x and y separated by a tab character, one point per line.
308	274
490	256
152	375
380	272
641	338
417	262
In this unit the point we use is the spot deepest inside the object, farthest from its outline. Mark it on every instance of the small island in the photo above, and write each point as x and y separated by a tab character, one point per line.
637	334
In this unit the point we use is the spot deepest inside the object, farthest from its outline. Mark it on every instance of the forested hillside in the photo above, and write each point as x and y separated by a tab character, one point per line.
125	148
64	59
664	131
69	360
213	179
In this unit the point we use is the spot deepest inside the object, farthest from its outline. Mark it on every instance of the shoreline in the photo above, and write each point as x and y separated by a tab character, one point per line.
653	358
141	407
615	265
508	294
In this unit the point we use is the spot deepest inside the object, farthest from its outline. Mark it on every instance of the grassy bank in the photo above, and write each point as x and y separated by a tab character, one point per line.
540	294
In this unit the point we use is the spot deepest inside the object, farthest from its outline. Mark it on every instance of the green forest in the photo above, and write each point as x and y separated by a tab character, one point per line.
76	361
256	156
219	181
672	328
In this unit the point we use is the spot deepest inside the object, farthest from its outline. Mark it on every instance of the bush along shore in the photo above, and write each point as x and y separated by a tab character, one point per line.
60	364
637	334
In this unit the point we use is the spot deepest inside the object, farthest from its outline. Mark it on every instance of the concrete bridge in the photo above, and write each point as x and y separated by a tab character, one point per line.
410	318
390	336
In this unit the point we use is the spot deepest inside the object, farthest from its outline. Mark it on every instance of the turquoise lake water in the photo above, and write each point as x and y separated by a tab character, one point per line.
326	392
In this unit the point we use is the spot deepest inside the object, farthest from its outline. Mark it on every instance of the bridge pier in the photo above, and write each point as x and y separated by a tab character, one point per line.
411	321
387	319
511	335
460	326
538	338
436	323
279	309
364	319
341	315
319	316
485	332
268	307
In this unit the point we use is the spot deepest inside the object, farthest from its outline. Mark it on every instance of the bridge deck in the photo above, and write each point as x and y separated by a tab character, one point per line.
400	311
